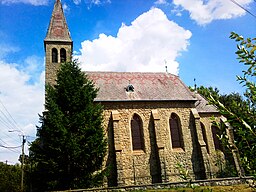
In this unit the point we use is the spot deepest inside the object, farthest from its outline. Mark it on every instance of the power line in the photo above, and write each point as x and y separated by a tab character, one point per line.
3	121
10	137
13	122
10	147
233	1
8	121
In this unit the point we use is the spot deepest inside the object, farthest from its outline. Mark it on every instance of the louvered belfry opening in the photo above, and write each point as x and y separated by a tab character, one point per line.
176	134
63	55
137	133
54	55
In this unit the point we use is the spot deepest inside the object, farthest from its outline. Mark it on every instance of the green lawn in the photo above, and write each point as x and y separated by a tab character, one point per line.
242	188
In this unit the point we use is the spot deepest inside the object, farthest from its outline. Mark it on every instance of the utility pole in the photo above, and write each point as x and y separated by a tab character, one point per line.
22	163
22	158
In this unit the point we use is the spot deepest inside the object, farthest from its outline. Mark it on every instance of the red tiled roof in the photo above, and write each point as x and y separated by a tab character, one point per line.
58	28
147	86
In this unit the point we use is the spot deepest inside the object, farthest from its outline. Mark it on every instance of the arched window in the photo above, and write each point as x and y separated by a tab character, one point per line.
176	134
204	136
54	55
137	133
216	140
63	55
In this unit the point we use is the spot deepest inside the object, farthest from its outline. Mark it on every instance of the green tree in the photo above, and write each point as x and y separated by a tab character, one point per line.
10	177
70	147
241	111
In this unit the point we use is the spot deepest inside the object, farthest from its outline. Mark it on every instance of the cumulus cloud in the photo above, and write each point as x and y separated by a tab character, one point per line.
204	12
32	2
145	45
22	100
161	2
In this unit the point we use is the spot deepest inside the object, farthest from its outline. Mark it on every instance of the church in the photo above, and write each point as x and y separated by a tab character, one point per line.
155	126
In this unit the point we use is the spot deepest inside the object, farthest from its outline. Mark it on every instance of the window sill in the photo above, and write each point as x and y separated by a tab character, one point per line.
138	152
178	150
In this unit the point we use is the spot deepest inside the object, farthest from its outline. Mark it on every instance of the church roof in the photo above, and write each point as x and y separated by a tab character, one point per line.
58	28
136	86
203	106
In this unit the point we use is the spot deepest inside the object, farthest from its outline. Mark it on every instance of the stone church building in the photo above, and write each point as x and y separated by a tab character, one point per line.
153	122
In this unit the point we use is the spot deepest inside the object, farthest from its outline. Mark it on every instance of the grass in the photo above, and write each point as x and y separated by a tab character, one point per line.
234	188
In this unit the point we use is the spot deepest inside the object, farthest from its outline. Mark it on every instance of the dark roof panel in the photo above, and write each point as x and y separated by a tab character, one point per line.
203	106
147	86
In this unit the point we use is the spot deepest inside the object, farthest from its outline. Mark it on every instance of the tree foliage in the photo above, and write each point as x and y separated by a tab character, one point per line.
70	147
10	177
241	111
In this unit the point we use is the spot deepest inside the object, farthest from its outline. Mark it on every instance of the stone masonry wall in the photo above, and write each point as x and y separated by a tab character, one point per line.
158	162
216	157
52	68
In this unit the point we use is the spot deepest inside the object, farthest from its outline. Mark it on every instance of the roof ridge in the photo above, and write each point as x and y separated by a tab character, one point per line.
134	72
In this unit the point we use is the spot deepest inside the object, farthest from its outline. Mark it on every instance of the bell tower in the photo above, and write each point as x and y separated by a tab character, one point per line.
58	44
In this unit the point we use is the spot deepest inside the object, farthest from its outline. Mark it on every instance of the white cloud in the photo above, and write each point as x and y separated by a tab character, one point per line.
6	49
22	100
96	2
66	7
161	2
32	2
143	46
204	12
77	2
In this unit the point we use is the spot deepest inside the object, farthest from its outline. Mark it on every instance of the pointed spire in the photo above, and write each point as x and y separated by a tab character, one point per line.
58	28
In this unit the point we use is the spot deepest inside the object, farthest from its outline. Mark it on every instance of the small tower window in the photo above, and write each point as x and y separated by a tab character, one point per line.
54	55
63	55
176	134
137	133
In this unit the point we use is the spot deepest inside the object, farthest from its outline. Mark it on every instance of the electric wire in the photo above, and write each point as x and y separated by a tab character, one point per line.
8	121
11	137
10	147
3	122
13	122
233	1
6	147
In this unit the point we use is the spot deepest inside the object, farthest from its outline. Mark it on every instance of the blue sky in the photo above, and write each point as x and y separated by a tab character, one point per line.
191	37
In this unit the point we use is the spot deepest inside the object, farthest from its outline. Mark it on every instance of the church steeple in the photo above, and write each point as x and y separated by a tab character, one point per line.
58	43
58	28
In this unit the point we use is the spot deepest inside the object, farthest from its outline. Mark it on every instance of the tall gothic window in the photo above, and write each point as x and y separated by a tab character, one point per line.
63	55
204	136
137	133
54	55
216	140
176	134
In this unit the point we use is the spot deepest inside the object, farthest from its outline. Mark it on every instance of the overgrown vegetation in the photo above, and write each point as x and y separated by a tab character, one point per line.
244	188
70	147
240	111
10	177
